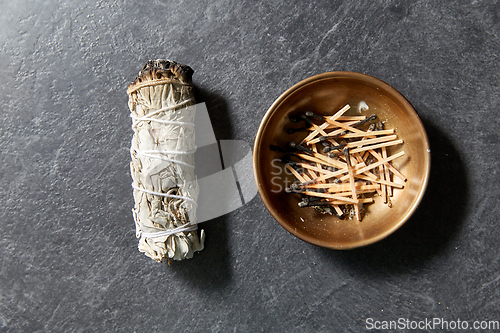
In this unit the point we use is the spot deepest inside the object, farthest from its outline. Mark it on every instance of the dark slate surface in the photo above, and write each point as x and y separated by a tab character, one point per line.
69	261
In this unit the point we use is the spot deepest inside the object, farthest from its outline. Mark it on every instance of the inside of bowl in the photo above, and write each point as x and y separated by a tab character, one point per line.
325	95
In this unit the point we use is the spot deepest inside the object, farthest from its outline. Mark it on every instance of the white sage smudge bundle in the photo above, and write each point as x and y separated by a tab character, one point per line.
162	106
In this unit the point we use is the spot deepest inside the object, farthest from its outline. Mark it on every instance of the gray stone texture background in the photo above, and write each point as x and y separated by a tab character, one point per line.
69	259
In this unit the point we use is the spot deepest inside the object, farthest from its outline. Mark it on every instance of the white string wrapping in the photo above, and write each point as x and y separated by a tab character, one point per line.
164	194
167	108
183	228
160	154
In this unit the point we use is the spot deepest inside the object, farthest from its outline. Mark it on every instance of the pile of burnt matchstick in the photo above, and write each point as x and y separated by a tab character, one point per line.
339	167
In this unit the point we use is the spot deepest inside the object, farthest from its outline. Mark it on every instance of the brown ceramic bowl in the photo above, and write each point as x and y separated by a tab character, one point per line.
325	94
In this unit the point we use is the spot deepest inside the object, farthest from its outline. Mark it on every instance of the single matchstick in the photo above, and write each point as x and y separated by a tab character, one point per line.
351	181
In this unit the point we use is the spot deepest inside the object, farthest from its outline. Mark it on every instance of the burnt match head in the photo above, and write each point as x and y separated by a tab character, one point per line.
347	157
294	145
370	118
311	114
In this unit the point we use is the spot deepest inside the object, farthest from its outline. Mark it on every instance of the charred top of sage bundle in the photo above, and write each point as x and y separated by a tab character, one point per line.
168	68
157	70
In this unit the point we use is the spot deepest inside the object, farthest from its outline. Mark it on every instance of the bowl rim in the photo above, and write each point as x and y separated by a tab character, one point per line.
352	75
